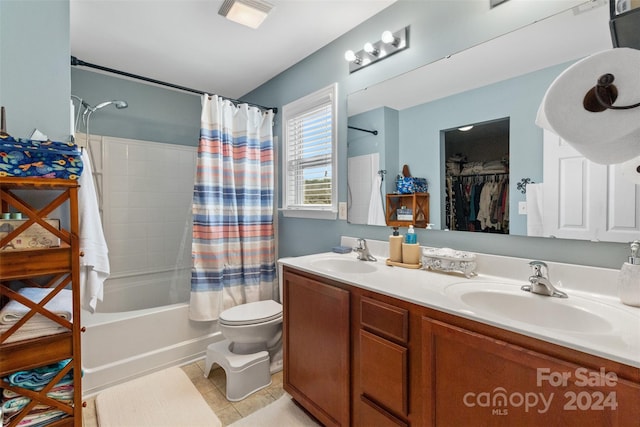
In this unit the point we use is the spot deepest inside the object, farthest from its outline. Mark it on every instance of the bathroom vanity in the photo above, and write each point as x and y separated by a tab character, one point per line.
367	344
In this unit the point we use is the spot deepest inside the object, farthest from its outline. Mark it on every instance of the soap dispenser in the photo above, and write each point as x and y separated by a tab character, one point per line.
395	246
629	277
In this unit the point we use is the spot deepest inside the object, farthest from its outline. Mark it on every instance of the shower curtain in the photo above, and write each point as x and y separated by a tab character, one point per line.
233	234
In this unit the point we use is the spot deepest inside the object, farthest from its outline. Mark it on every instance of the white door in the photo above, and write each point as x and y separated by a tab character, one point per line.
586	200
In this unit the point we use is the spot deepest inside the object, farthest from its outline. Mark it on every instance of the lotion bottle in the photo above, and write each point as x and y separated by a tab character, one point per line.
629	277
395	246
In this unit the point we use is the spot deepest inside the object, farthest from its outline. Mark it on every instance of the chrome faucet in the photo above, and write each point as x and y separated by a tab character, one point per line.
541	285
363	251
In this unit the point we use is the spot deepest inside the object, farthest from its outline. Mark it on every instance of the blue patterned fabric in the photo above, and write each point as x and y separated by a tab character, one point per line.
45	159
410	185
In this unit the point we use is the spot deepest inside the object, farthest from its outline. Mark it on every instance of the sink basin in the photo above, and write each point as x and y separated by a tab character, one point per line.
573	314
342	265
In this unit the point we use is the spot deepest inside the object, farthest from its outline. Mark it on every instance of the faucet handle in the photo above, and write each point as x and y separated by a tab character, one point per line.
538	266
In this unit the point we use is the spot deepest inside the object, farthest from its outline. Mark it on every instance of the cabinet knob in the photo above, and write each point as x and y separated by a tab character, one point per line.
81	253
84	404
83	329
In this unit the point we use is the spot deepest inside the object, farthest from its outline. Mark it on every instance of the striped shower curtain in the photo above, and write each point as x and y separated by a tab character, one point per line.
233	235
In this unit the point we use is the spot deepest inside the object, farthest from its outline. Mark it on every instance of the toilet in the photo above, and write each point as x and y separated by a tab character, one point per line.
252	348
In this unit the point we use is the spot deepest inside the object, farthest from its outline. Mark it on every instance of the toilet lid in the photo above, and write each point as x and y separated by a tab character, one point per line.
253	312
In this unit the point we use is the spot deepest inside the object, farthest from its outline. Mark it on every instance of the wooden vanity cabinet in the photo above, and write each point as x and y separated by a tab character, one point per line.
317	347
356	357
476	379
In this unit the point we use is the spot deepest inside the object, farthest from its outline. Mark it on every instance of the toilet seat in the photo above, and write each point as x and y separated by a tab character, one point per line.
251	313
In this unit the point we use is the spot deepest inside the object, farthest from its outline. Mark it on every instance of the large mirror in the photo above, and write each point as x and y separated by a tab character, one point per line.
504	78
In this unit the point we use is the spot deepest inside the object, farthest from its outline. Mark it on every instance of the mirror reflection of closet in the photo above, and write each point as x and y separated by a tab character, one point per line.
477	177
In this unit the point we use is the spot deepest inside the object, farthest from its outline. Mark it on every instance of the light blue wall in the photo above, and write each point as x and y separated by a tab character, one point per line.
154	113
34	67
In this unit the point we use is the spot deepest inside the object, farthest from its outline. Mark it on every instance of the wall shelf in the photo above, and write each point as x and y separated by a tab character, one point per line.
418	203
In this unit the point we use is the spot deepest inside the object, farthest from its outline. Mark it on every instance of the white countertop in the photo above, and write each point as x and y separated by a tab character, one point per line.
596	287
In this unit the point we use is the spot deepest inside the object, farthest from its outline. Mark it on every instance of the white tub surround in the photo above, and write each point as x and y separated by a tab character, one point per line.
143	326
617	338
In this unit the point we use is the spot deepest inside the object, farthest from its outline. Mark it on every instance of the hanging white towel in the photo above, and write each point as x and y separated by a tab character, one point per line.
94	265
376	209
534	210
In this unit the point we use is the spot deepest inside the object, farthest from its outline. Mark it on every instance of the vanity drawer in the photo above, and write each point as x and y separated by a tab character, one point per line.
384	319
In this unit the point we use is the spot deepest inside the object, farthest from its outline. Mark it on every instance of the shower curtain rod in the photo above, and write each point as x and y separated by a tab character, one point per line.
375	132
78	62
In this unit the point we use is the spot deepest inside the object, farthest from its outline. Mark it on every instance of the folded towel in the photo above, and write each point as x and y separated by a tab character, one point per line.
14	404
22	334
61	304
40	417
36	379
63	393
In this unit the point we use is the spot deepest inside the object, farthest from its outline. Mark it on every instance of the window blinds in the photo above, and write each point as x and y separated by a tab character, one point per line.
309	157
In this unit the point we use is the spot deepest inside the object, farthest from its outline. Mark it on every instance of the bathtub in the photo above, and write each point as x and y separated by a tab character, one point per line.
142	326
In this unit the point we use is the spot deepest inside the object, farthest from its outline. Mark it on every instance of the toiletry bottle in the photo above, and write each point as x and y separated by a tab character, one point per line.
411	237
629	277
410	248
395	246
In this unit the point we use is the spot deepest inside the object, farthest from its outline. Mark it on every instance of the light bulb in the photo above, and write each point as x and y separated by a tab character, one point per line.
370	49
388	37
350	56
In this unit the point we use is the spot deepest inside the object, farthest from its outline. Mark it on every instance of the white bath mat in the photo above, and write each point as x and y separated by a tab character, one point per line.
165	398
281	413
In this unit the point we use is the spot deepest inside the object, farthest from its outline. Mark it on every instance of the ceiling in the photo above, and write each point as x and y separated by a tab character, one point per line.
186	42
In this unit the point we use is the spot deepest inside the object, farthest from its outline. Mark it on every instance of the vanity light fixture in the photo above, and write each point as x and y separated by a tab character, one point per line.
250	13
390	43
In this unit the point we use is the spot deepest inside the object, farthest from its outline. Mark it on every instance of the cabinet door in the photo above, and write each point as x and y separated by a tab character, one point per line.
316	347
477	380
383	372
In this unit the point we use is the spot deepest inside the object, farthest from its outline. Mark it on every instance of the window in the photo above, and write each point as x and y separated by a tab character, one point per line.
309	155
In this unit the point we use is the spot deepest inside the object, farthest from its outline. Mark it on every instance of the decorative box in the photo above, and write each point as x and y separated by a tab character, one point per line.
36	236
449	260
404	214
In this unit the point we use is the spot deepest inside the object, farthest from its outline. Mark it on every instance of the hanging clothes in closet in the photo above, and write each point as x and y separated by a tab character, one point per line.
478	203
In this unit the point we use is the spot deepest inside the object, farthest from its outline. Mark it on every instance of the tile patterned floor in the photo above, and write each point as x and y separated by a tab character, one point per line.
213	391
